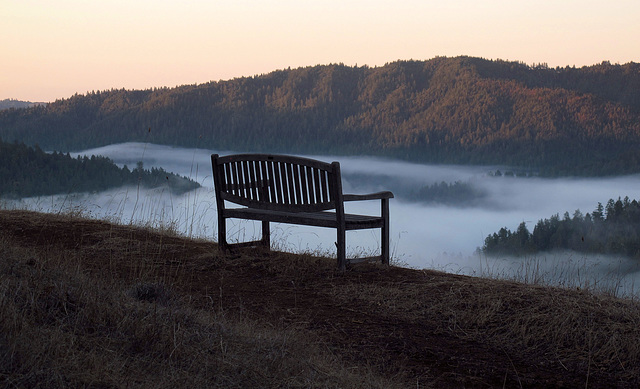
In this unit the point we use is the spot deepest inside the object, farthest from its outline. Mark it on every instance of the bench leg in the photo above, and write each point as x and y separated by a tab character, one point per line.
222	233
341	245
385	232
266	235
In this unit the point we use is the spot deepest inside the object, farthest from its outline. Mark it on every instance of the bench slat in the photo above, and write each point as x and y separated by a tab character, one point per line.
236	179
254	181
316	184
277	182
233	181
296	197
264	190
226	178
310	184
324	186
284	183
244	179
272	185
292	192
303	185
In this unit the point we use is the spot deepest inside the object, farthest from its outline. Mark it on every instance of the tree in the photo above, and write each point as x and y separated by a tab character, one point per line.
523	238
598	214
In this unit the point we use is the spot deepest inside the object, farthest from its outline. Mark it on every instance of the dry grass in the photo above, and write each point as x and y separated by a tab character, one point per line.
92	304
61	326
577	331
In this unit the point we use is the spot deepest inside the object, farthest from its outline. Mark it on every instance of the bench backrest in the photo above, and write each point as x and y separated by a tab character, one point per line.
277	182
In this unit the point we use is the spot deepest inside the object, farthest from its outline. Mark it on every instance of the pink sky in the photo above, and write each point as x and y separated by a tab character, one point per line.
51	50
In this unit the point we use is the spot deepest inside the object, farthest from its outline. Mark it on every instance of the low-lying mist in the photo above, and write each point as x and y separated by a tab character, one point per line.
423	235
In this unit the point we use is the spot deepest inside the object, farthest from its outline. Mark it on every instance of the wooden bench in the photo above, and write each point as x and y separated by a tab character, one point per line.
294	190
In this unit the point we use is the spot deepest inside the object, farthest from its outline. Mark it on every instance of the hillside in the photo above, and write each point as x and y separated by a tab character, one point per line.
29	171
556	121
87	303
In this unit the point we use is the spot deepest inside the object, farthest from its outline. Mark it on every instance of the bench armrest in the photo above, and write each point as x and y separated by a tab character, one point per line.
372	196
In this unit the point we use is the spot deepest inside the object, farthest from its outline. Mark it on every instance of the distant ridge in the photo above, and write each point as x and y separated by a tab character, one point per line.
463	110
11	103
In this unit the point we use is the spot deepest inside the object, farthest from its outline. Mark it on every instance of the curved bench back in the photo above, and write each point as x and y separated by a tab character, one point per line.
277	182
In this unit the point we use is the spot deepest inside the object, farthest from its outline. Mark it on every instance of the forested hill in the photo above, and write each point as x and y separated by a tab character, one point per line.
29	171
464	110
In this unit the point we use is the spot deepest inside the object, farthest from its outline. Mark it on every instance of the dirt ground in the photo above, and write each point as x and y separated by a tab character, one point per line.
387	318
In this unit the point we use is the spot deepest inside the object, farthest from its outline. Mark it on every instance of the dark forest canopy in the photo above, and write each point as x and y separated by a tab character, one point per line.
28	171
463	110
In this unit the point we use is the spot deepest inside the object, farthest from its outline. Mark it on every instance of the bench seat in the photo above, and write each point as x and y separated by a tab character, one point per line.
316	219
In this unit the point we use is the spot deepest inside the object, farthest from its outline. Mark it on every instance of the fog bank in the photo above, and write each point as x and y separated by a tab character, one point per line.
433	236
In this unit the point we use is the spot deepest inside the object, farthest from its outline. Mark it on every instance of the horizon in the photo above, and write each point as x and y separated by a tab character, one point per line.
274	70
53	51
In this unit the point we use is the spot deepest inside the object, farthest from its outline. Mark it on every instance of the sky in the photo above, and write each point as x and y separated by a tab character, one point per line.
53	49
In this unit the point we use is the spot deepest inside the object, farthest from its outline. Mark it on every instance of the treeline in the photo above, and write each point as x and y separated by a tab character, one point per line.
28	171
460	194
464	110
610	229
